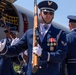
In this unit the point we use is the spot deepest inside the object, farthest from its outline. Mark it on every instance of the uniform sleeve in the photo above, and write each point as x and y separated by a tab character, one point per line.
60	53
16	49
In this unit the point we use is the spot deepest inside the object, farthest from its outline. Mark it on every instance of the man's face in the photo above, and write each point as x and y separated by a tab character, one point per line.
13	34
8	35
47	16
72	25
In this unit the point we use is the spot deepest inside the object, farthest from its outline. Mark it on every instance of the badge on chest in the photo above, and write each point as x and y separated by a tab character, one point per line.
51	42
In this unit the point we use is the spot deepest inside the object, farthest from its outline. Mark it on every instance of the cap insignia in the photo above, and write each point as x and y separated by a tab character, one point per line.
49	3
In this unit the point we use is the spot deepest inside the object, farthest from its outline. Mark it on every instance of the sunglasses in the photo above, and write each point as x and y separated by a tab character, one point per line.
45	13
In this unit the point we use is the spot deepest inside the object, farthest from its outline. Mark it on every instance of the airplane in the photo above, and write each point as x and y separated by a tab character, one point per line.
19	17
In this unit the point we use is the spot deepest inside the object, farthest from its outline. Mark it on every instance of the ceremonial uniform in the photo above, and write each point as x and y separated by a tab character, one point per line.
52	46
6	63
71	42
57	54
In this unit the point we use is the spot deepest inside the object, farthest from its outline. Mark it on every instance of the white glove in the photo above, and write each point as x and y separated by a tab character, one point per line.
25	52
2	45
14	41
21	54
37	50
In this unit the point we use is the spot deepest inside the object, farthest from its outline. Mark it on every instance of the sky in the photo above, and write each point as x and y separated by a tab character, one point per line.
65	8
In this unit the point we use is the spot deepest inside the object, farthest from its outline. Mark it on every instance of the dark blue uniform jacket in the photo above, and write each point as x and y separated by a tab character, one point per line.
71	55
56	47
6	63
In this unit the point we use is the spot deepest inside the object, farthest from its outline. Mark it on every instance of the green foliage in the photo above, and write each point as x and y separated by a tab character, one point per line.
16	67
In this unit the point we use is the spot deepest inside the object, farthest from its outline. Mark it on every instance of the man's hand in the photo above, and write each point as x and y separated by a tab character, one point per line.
2	45
25	52
24	55
37	50
14	41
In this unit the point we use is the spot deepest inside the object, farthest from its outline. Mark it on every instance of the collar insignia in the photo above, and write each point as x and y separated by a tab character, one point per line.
63	43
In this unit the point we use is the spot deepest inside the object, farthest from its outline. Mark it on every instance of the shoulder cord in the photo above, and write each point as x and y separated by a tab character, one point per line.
58	36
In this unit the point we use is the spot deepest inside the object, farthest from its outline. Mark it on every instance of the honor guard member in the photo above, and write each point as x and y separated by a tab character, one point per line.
71	42
6	67
52	46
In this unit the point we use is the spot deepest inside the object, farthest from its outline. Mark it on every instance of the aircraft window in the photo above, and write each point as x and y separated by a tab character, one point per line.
12	16
25	22
3	3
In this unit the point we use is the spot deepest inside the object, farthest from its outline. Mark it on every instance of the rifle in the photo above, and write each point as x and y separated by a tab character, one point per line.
35	43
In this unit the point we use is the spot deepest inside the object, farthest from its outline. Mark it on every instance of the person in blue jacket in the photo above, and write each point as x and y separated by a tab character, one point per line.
52	44
71	42
6	63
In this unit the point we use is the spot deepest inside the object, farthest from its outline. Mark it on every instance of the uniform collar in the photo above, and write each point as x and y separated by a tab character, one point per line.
9	39
42	24
74	29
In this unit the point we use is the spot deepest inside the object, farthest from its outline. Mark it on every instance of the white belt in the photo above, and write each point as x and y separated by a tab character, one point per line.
71	61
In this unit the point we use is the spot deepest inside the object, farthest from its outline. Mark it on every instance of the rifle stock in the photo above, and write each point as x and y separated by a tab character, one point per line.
35	43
